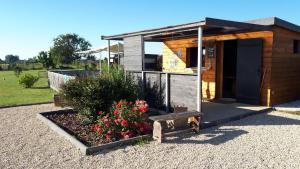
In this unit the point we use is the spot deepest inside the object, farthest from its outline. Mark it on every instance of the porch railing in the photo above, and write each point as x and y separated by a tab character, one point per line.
174	92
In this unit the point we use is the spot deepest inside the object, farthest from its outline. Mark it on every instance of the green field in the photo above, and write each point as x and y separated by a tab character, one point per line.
11	93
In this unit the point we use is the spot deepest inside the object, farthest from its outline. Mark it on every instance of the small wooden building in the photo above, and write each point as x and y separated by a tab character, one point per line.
255	62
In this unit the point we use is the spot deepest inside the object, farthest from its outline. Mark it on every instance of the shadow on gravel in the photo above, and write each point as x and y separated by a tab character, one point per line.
214	136
217	135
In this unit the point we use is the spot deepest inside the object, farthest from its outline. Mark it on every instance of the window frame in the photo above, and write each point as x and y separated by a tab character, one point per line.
188	57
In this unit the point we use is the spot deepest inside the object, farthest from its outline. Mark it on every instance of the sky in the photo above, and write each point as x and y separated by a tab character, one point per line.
29	26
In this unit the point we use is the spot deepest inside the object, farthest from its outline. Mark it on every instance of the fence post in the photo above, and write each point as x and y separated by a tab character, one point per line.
143	83
125	74
167	93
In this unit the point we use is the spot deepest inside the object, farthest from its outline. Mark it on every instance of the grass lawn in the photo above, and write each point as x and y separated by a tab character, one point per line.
11	93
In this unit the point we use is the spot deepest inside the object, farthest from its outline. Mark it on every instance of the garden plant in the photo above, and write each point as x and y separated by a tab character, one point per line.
28	80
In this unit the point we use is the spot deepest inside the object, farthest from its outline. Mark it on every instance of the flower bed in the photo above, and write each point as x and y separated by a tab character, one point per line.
126	123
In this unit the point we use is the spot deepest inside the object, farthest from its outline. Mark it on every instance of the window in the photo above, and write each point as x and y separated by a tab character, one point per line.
192	57
296	46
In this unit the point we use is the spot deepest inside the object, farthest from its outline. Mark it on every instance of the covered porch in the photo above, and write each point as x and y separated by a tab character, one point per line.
192	77
215	113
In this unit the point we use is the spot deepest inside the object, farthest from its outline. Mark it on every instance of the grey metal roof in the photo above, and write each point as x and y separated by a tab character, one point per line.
277	22
210	25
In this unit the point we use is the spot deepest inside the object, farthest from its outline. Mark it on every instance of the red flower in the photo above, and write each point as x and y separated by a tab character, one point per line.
117	121
97	127
100	112
124	123
128	134
147	126
108	136
134	109
107	124
116	112
142	129
137	124
143	109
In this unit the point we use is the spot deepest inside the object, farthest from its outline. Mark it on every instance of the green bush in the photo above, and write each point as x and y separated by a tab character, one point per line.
28	80
18	70
93	94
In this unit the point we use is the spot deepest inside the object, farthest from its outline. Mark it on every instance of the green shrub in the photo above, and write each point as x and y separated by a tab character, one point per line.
18	70
91	95
28	80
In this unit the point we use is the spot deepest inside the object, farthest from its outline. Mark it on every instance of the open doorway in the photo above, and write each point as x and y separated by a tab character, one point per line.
241	70
229	69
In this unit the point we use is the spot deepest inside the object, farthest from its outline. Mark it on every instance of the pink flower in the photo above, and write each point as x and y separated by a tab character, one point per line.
100	112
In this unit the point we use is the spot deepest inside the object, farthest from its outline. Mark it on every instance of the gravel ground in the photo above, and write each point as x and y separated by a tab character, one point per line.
264	141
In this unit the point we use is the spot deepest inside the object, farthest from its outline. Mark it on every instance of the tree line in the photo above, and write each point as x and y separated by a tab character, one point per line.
63	52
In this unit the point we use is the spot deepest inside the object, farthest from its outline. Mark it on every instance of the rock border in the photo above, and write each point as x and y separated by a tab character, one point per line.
86	150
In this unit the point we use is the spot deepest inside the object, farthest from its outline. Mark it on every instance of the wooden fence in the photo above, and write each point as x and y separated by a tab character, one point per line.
171	91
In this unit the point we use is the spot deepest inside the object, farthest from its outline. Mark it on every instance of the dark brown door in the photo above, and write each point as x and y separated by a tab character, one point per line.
248	76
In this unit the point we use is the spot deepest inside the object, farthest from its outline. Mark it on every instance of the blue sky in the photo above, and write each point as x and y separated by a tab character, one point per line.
29	26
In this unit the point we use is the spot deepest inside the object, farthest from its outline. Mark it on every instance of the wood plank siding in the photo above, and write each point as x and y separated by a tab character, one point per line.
285	83
175	60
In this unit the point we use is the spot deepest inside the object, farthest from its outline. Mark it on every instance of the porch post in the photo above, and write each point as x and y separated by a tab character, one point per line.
100	64
199	80
108	50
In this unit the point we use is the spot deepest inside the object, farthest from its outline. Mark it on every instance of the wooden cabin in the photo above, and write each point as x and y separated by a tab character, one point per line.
254	62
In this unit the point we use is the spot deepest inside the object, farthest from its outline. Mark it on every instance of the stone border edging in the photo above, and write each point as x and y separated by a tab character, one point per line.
79	145
29	104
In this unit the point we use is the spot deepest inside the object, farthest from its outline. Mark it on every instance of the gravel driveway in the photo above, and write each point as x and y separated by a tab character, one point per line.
263	141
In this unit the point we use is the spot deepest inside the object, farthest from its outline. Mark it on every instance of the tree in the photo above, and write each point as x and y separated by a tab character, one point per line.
91	57
45	59
11	59
65	48
32	60
1	61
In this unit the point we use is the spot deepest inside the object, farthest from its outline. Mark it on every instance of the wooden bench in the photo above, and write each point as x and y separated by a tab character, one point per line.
158	130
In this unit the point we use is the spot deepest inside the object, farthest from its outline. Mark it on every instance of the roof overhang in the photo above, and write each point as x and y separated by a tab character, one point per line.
210	26
114	49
